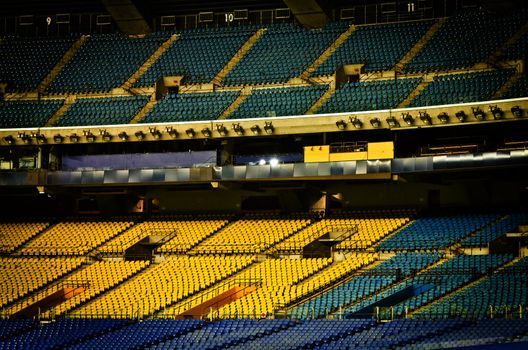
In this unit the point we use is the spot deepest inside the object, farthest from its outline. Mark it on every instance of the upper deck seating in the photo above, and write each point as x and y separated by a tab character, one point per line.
378	47
282	53
197	54
466	39
104	62
26	62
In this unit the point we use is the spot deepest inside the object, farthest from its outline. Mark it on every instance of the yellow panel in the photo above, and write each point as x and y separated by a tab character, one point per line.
314	154
381	150
344	156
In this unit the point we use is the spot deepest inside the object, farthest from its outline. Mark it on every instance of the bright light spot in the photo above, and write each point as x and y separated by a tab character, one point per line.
262	162
274	162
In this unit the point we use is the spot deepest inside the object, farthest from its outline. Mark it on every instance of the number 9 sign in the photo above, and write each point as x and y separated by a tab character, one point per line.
48	20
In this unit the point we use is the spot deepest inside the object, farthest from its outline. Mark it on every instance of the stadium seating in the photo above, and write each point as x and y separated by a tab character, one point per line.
371	227
13	234
282	53
471	334
307	335
197	54
250	236
489	233
369	95
26	62
224	333
104	62
464	40
95	279
276	277
436	232
460	88
498	295
183	235
439	280
27	113
61	333
190	107
364	284
140	334
177	276
102	111
73	237
267	334
21	276
398	334
278	102
378	47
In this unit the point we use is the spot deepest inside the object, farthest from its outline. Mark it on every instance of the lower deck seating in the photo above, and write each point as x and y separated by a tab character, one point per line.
363	284
499	295
61	333
21	276
90	281
178	277
263	334
276	279
436	282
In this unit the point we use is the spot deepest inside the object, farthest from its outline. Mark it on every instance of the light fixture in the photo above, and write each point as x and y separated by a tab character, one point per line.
262	162
172	132
268	128
479	115
496	112
517	111
375	122
461	116
222	130
155	133
393	123
9	139
74	138
41	138
190	133
90	137
341	124
123	136
255	129
206	132
408	119
273	162
358	124
239	130
443	117
25	138
140	135
425	118
107	137
58	138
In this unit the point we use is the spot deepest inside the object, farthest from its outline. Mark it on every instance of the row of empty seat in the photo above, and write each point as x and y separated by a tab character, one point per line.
258	334
21	276
161	285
